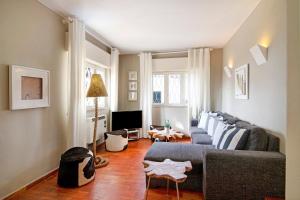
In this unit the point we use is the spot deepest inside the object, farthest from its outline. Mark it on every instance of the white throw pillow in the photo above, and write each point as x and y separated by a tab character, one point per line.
212	124
218	132
203	121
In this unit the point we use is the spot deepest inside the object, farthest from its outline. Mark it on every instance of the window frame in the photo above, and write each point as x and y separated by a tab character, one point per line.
183	88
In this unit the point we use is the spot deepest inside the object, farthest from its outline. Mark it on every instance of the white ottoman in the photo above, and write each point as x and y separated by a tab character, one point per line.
116	140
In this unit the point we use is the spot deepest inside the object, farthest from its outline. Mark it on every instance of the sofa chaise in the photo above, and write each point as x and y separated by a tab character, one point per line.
254	171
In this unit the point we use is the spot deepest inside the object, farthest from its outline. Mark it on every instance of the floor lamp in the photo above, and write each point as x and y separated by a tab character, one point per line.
97	89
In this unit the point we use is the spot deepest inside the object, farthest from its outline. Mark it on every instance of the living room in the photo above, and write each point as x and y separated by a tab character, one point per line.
149	99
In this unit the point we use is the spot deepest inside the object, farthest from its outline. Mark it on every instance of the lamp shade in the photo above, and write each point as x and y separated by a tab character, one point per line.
97	87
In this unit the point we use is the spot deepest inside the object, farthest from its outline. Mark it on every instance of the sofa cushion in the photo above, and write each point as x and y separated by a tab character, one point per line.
233	139
257	139
196	130
243	124
228	118
201	139
159	151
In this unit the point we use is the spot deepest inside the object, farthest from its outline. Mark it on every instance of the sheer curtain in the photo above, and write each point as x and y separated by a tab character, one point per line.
77	93
146	91
199	81
114	79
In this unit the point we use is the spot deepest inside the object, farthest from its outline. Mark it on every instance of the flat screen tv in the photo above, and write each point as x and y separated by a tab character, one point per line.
126	120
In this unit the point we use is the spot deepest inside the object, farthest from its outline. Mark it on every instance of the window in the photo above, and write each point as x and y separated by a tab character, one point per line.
170	88
174	88
158	88
89	71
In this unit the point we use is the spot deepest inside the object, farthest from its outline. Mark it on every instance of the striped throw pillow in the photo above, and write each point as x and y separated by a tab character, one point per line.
233	139
221	127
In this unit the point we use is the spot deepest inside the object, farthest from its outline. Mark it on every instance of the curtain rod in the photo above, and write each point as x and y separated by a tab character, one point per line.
97	36
171	52
174	52
89	30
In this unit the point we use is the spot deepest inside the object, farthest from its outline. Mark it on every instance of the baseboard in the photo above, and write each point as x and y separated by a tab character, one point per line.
31	184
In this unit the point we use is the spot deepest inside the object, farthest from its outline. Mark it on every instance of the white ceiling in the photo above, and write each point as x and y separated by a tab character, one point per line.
159	25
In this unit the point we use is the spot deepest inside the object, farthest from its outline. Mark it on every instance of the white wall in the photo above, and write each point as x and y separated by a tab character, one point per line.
31	140
293	97
130	62
97	55
170	64
266	106
178	117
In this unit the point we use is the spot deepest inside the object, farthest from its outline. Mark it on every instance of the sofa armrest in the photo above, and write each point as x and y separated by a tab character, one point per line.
243	175
194	122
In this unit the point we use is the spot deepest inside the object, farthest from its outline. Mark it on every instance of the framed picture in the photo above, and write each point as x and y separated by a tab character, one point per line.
28	87
132	96
132	75
132	85
242	82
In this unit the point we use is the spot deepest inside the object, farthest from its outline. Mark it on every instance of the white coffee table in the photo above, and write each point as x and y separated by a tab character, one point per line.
169	170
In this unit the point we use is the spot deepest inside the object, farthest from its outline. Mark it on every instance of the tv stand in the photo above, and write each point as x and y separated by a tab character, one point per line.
133	134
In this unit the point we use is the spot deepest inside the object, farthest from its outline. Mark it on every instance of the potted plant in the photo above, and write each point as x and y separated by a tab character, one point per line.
167	126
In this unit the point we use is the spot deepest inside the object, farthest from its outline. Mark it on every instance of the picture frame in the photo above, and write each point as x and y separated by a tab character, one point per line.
132	86
132	75
28	87
242	82
132	96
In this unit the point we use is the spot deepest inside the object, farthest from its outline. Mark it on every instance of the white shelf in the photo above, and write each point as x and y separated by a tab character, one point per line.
133	134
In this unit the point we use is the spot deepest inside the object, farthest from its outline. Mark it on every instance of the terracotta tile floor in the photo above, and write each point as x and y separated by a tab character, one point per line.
122	179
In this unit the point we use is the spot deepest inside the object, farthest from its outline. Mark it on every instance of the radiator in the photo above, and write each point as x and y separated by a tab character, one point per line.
101	129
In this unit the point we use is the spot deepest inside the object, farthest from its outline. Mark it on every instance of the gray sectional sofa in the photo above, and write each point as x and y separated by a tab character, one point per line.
256	171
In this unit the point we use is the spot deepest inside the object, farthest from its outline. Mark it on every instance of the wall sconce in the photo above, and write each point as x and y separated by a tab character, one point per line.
228	71
259	53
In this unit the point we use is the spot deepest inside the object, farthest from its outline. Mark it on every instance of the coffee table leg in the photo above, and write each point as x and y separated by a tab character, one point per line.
177	191
146	193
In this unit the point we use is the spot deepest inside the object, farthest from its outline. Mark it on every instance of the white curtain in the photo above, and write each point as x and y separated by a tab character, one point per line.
146	91
114	79
77	92
199	81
